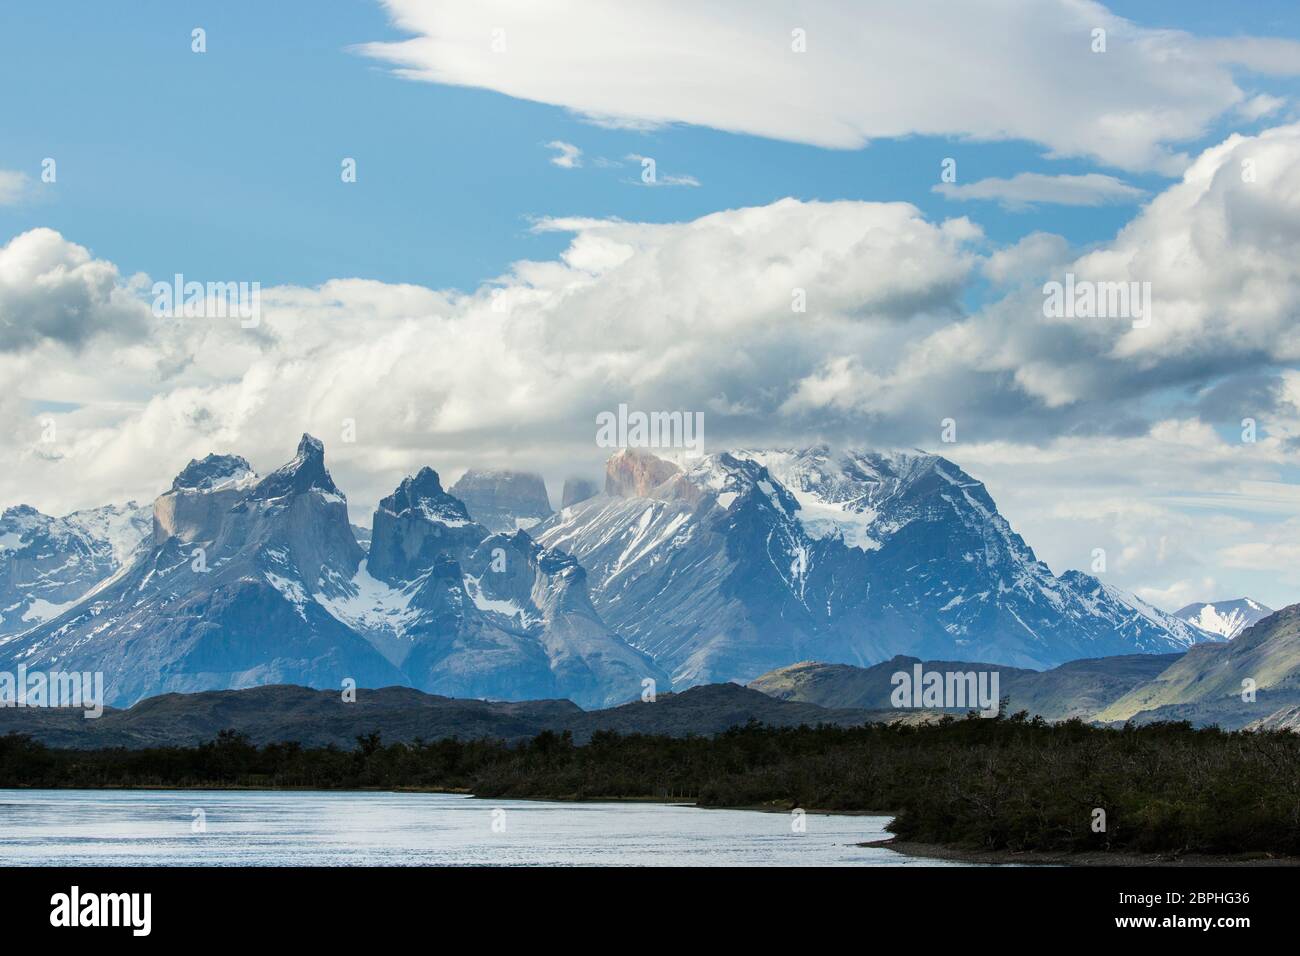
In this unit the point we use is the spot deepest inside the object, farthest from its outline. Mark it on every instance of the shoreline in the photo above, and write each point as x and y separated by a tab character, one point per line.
465	792
1123	858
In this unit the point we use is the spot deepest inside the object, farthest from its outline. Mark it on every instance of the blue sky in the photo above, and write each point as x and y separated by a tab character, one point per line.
227	163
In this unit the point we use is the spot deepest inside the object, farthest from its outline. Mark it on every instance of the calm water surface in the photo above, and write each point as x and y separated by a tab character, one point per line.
245	828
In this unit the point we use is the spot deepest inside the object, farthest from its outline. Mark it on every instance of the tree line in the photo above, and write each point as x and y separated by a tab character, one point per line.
1007	783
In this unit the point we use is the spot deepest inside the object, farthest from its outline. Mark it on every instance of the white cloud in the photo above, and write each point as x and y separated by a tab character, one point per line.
567	155
1028	260
1220	251
1278	551
1087	431
988	70
53	291
1075	494
1178	595
1273	56
13	186
1257	107
1023	190
672	315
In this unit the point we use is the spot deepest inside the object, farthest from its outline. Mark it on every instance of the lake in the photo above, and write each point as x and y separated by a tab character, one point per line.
314	828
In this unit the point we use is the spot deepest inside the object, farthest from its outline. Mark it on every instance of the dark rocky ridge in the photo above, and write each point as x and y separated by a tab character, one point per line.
284	713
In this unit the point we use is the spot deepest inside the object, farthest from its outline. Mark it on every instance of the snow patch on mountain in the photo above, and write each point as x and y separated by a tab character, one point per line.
370	605
48	564
1224	619
505	607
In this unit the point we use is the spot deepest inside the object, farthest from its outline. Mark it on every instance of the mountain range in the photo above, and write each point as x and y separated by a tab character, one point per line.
1249	682
746	561
668	577
246	581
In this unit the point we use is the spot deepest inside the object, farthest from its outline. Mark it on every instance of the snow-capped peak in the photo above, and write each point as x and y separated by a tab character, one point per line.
215	473
1224	618
422	494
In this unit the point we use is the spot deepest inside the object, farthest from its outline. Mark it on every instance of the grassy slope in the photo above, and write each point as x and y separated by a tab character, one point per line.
1209	676
1077	689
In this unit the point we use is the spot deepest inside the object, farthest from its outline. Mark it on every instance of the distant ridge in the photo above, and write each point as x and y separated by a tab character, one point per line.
1075	689
285	713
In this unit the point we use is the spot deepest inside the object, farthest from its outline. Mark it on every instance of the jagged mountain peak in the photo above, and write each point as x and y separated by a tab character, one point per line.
1130	610
552	562
558	563
416	524
423	493
195	506
112	529
306	472
16	512
863	497
733	477
16	525
214	473
718	569
426	478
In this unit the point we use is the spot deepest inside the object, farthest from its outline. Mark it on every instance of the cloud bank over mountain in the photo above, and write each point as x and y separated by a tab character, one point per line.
704	315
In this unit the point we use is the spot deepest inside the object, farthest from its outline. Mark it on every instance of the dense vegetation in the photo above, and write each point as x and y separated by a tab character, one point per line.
1005	783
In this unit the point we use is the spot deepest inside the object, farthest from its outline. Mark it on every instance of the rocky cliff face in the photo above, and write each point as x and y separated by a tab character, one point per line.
578	489
249	581
415	524
504	500
200	496
634	473
468	613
